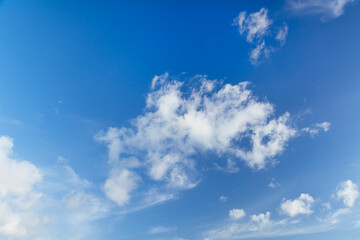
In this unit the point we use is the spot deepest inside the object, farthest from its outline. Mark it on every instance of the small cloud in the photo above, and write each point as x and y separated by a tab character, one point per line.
223	198
316	128
236	214
273	183
348	192
257	27
301	205
282	34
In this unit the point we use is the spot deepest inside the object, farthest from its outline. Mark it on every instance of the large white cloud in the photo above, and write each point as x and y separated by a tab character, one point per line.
180	123
348	192
301	205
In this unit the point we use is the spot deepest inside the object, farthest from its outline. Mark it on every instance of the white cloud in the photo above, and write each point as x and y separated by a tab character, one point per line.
282	34
301	205
161	229
16	177
257	26
273	183
316	128
223	198
159	80
178	124
17	194
262	226
252	228
326	8
258	51
236	214
120	184
348	192
262	220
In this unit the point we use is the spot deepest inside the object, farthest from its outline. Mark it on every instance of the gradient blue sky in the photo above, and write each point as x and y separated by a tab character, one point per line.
102	136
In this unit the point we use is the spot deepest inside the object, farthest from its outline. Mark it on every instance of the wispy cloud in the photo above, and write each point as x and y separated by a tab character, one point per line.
34	201
259	29
327	9
161	229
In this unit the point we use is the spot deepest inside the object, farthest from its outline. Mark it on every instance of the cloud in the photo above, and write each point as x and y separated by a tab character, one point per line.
282	34
161	229
17	194
257	27
120	184
236	214
256	224
262	220
35	203
179	124
348	192
328	9
17	177
262	226
273	183
316	128
223	198
301	205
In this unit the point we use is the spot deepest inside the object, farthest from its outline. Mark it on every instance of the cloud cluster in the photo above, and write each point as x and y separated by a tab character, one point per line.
180	124
262	226
328	9
257	27
317	128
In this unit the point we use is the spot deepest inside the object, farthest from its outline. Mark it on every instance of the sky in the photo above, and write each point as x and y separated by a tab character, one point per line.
179	120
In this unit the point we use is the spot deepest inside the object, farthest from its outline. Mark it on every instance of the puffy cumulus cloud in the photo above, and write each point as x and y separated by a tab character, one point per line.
262	220
236	214
301	205
180	123
16	177
348	192
317	128
257	27
262	226
328	9
120	184
17	194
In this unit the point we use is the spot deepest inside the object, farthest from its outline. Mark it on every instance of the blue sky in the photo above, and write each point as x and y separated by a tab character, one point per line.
180	120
